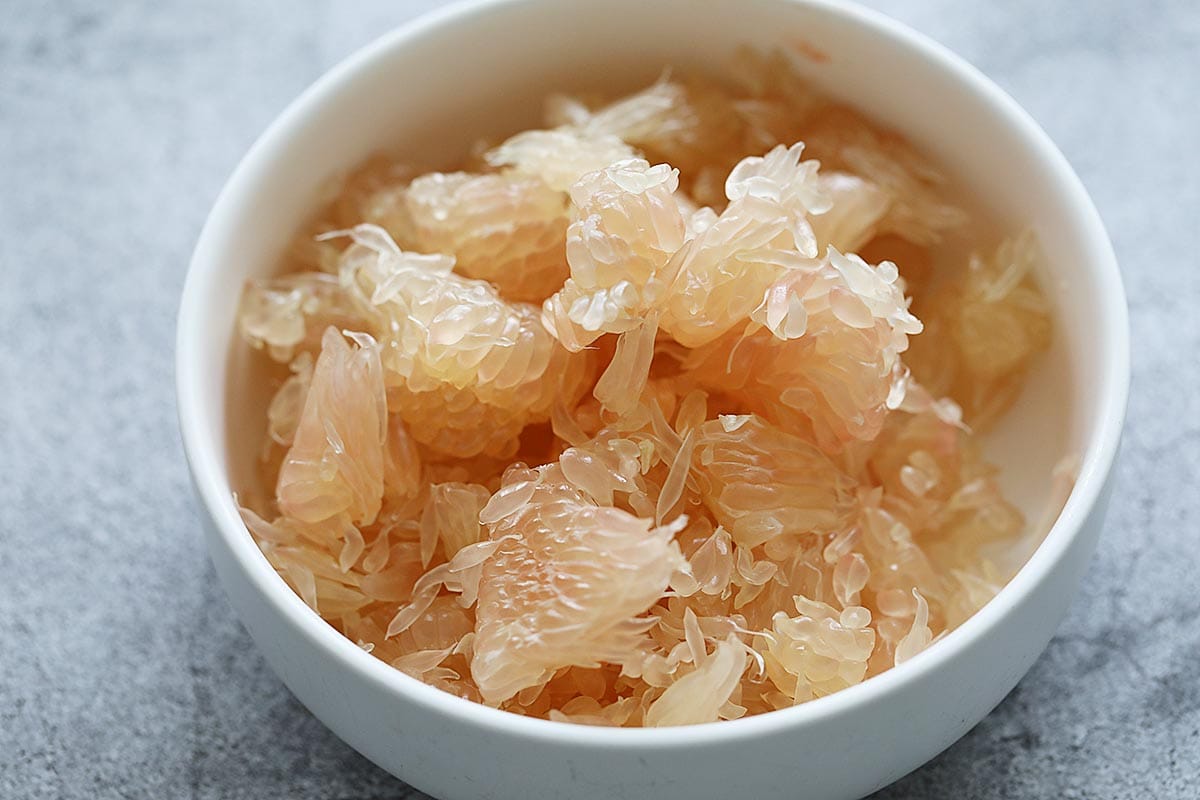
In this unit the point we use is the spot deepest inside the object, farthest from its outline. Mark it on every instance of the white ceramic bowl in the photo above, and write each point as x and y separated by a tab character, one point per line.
431	88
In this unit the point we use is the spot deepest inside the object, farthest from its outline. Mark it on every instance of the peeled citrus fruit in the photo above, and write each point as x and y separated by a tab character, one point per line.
569	585
465	368
664	413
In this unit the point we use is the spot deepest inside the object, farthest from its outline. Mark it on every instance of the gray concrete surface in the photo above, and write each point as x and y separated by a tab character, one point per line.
123	672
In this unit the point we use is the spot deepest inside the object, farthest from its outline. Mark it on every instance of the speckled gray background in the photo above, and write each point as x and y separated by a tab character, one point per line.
123	672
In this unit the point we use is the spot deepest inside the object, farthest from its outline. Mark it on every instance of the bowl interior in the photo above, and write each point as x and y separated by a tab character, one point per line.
428	92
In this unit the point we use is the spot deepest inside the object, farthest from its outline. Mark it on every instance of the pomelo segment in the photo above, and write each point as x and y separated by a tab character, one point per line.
504	228
991	319
627	225
717	280
467	369
559	158
820	651
288	315
761	482
335	463
569	585
821	353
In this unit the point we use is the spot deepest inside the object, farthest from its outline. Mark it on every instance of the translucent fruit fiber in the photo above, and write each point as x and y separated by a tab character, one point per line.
664	413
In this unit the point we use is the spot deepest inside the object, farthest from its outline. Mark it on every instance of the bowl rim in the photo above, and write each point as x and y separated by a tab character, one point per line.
212	485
